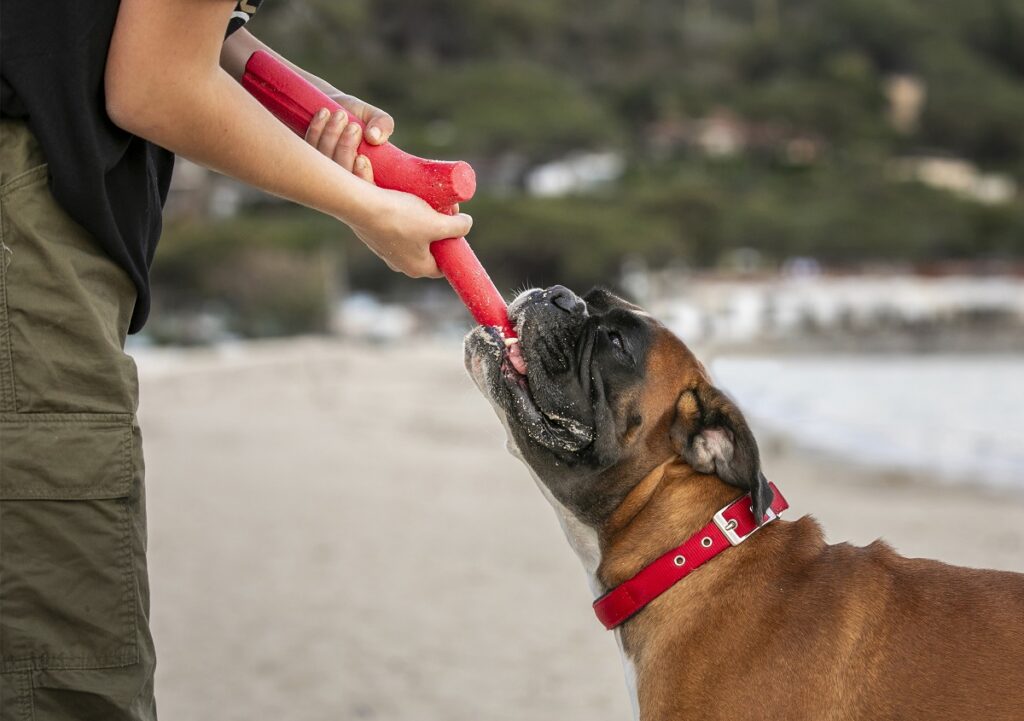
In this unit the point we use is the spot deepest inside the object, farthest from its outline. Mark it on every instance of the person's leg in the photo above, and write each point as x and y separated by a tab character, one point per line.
74	594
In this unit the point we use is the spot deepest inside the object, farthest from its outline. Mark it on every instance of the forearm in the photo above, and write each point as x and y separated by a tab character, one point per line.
242	44
201	113
226	130
164	82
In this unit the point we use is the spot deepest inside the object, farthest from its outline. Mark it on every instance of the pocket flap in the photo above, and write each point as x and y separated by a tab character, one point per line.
65	456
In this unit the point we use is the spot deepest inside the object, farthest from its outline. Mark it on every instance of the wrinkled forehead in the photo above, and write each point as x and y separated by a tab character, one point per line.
600	300
670	367
669	364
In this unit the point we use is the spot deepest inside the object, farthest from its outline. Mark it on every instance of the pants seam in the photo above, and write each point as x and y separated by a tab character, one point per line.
8	392
22	701
30	697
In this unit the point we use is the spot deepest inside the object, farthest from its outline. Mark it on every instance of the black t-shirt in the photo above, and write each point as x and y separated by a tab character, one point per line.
52	59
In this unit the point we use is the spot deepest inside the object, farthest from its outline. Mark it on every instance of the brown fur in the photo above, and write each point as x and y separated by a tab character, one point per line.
786	626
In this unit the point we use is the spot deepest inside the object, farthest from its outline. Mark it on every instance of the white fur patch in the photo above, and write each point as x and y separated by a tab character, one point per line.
629	668
711	446
582	538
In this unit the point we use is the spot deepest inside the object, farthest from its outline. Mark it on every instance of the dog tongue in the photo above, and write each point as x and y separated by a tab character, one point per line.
515	357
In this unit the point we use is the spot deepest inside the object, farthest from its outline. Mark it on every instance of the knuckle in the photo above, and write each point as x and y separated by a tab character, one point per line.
337	122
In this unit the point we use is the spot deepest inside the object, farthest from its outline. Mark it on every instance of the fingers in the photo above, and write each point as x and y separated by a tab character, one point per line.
316	127
422	267
336	137
425	267
454	226
450	226
348	143
428	267
363	169
379	125
400	228
332	136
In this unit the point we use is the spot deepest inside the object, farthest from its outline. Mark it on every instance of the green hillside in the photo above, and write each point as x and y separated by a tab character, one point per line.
799	92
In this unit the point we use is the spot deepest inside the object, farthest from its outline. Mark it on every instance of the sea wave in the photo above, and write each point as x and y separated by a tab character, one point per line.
952	418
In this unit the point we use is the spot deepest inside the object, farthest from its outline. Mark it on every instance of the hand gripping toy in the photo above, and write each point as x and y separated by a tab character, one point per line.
294	101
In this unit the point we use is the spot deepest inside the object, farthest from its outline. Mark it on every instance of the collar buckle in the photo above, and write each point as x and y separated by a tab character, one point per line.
728	526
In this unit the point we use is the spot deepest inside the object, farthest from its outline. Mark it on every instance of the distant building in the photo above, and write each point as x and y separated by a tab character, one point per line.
906	95
724	134
743	309
575	174
721	135
958	176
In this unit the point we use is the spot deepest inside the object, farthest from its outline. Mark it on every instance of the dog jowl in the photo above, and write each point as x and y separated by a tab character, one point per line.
636	450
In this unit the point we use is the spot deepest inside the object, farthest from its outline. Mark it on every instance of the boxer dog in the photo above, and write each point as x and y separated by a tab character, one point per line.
637	450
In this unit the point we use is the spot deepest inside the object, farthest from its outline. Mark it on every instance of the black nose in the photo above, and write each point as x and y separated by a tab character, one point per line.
563	298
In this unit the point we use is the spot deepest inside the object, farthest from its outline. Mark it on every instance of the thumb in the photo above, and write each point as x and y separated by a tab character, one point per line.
455	226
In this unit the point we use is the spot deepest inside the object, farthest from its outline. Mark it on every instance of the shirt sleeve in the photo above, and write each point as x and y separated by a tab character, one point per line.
244	10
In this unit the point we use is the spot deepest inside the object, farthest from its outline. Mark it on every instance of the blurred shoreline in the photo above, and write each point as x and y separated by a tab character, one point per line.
792	390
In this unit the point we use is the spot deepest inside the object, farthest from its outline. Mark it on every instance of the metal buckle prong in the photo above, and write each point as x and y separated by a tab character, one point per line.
728	527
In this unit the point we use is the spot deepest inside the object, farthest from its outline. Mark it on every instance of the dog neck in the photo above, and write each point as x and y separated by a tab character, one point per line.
671	503
688	625
667	506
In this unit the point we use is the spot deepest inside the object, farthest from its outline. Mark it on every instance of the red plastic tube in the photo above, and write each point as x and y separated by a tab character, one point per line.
294	101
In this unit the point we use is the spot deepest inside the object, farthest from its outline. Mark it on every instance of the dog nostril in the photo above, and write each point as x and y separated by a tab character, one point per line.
563	298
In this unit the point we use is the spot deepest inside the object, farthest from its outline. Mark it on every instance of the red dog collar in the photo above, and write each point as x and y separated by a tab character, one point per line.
731	526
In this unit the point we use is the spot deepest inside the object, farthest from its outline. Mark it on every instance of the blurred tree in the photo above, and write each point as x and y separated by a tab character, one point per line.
511	84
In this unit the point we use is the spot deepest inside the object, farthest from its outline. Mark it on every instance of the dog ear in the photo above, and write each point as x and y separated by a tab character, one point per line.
711	434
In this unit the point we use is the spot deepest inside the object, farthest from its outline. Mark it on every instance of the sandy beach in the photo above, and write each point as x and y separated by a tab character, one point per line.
336	532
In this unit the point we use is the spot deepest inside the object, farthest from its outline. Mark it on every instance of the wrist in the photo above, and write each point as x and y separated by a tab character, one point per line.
358	201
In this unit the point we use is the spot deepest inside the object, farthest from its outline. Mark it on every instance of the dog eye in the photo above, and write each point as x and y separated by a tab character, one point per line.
616	340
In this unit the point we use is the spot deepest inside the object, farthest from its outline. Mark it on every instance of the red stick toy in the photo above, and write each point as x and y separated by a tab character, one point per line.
294	101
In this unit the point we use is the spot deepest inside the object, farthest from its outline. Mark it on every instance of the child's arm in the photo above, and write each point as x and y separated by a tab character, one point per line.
164	82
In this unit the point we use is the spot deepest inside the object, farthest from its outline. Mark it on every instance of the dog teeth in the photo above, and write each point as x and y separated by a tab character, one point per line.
515	357
509	342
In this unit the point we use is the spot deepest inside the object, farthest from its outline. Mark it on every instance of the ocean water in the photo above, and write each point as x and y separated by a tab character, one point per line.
957	419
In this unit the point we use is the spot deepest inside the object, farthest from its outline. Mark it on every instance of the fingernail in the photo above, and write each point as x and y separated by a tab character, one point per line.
361	162
351	129
374	133
322	114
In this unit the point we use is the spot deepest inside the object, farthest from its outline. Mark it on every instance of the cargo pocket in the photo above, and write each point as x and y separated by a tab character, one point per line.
67	580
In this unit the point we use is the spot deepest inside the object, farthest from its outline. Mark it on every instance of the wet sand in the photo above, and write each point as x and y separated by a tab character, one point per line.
336	532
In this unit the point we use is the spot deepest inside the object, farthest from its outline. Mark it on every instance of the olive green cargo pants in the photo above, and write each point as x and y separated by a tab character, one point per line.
74	595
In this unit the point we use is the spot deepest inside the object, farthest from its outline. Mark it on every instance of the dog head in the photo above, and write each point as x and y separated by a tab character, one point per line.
599	393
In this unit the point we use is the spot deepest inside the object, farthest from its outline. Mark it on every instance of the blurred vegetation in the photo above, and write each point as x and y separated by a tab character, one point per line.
510	84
